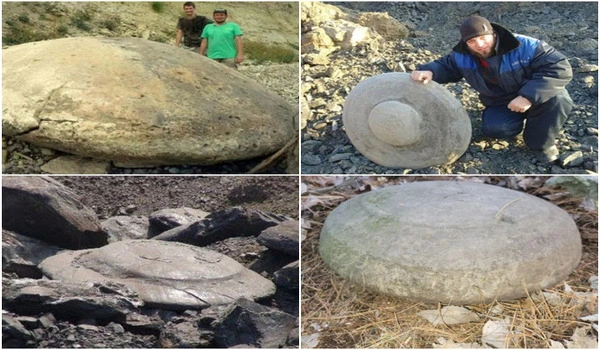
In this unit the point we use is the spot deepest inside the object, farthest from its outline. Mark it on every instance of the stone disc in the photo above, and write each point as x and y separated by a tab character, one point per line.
451	242
138	102
165	274
397	122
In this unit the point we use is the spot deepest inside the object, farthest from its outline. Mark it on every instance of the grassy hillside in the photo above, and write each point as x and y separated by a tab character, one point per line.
270	28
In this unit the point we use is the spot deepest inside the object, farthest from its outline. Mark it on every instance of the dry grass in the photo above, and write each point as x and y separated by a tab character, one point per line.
348	316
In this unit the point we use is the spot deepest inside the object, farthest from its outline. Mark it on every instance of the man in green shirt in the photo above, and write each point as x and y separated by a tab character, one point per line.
222	40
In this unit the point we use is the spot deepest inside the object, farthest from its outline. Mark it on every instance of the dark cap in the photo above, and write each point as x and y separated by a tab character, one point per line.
220	11
475	26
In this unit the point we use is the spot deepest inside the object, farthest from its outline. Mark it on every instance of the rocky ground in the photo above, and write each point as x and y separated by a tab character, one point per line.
26	21
139	197
433	31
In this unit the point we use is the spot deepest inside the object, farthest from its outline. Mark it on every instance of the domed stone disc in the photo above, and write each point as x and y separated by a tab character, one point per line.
451	242
170	275
397	122
138	102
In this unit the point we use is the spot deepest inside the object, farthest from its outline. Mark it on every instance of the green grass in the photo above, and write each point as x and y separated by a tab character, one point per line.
261	52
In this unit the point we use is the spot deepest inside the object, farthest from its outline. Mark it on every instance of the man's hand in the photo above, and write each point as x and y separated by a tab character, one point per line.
424	76
239	59
519	104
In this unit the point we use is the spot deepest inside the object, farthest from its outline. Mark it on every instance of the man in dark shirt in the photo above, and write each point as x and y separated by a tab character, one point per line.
190	28
521	82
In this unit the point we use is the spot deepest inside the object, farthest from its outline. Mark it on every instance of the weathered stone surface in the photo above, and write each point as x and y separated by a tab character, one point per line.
53	214
103	301
166	275
387	26
166	219
451	242
222	224
249	323
75	165
397	122
22	254
283	237
288	276
122	227
135	100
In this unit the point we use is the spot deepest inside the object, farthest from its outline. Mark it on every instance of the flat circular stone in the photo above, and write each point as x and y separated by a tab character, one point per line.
138	102
171	275
451	242
437	128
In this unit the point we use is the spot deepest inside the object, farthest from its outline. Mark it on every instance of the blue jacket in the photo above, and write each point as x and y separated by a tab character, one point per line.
523	66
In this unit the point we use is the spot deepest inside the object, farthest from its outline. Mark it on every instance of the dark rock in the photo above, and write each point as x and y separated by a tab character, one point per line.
104	302
15	335
249	323
283	237
54	213
22	254
166	219
233	222
287	276
119	228
185	334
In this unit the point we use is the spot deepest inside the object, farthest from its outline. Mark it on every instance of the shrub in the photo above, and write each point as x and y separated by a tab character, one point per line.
23	18
261	52
80	20
158	7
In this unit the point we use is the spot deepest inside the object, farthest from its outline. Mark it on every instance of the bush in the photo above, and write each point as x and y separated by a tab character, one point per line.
158	7
16	36
261	52
24	18
80	20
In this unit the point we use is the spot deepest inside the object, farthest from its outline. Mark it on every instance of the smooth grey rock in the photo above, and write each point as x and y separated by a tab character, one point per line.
22	254
283	237
222	224
397	122
451	242
166	275
122	227
138	102
42	208
166	219
103	300
249	323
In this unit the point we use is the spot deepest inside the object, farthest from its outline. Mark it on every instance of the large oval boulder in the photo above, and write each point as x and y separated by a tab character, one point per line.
397	122
138	101
42	208
451	242
168	275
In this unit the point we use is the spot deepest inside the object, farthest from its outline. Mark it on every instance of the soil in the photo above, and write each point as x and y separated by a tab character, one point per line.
569	27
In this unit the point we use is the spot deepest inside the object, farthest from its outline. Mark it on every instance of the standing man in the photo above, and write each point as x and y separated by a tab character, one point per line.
222	40
190	28
521	82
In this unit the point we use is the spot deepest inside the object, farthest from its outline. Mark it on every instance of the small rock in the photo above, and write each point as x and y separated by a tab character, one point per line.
449	315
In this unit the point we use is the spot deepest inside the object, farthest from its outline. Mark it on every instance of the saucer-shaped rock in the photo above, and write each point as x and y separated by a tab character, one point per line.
138	101
397	122
451	242
168	275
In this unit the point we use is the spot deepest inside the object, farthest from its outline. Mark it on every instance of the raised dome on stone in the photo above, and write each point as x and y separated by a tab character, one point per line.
138	101
170	275
397	122
451	242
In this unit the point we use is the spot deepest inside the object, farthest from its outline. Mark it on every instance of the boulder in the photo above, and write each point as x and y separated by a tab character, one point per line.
314	13
166	275
22	254
451	242
288	276
122	227
166	219
42	208
103	301
138	102
251	324
283	237
397	122
15	335
222	224
388	27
